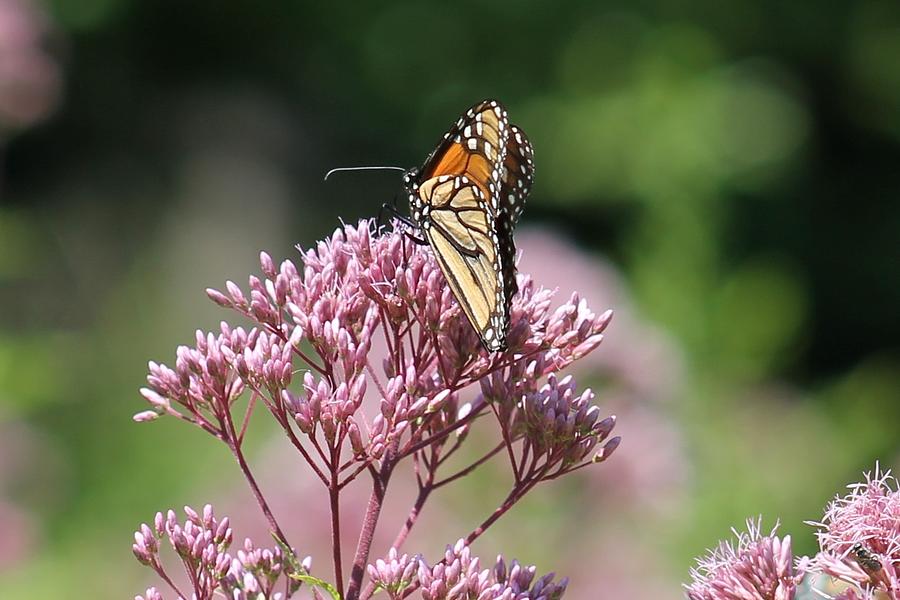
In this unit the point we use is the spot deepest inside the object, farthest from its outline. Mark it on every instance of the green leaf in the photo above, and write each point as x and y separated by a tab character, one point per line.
320	583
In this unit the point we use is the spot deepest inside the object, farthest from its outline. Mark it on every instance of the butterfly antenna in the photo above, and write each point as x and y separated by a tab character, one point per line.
328	174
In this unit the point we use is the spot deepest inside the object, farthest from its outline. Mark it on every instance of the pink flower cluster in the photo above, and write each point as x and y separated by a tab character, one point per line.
202	543
859	538
758	567
324	321
858	558
363	357
459	577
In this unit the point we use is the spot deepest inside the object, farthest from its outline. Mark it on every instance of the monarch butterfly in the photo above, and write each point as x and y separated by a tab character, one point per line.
466	199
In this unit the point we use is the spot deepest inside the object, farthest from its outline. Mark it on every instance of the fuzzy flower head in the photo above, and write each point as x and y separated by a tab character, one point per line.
859	537
374	312
459	576
759	567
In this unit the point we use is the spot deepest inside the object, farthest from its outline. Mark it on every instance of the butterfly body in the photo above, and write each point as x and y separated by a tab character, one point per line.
466	200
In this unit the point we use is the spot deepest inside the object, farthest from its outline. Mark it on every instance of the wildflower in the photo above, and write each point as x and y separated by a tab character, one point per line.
321	321
202	542
395	574
459	576
350	410
759	567
859	537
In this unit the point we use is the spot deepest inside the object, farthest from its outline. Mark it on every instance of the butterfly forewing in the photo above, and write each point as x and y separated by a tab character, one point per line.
475	146
467	198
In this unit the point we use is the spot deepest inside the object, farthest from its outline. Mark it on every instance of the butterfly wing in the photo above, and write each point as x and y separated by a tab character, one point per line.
461	230
518	174
455	200
517	178
475	146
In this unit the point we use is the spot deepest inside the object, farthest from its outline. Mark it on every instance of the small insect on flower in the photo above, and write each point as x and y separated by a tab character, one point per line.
466	200
866	559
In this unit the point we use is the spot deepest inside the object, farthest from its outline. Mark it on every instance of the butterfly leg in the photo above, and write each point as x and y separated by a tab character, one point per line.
392	210
415	240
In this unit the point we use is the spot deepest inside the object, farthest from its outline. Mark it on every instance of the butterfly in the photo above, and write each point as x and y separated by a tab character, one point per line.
466	200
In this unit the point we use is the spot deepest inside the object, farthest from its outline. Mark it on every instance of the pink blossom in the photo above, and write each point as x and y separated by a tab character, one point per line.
203	544
322	320
349	410
859	536
759	567
459	576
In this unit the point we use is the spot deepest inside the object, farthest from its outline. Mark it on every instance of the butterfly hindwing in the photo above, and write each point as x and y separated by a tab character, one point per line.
517	179
518	173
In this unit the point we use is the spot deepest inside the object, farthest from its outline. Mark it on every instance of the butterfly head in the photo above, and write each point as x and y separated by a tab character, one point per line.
411	185
411	177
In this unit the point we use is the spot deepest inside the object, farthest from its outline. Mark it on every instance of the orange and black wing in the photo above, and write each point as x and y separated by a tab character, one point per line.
455	200
475	147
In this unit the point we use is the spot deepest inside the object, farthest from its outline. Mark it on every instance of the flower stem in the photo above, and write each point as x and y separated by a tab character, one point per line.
373	511
411	519
165	577
514	496
235	447
334	494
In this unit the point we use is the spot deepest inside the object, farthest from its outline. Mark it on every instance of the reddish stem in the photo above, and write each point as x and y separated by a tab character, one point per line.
507	442
245	469
373	511
250	404
443	433
281	416
334	491
411	519
162	573
514	496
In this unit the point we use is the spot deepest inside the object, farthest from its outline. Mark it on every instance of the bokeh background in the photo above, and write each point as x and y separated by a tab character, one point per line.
724	174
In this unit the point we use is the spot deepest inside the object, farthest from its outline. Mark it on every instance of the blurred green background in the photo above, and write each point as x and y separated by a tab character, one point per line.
738	162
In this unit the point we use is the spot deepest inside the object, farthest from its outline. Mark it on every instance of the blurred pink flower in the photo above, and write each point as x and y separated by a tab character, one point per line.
19	535
642	359
759	567
641	370
30	78
859	536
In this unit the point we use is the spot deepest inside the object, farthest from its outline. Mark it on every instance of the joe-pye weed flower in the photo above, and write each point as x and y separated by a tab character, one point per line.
858	558
308	360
